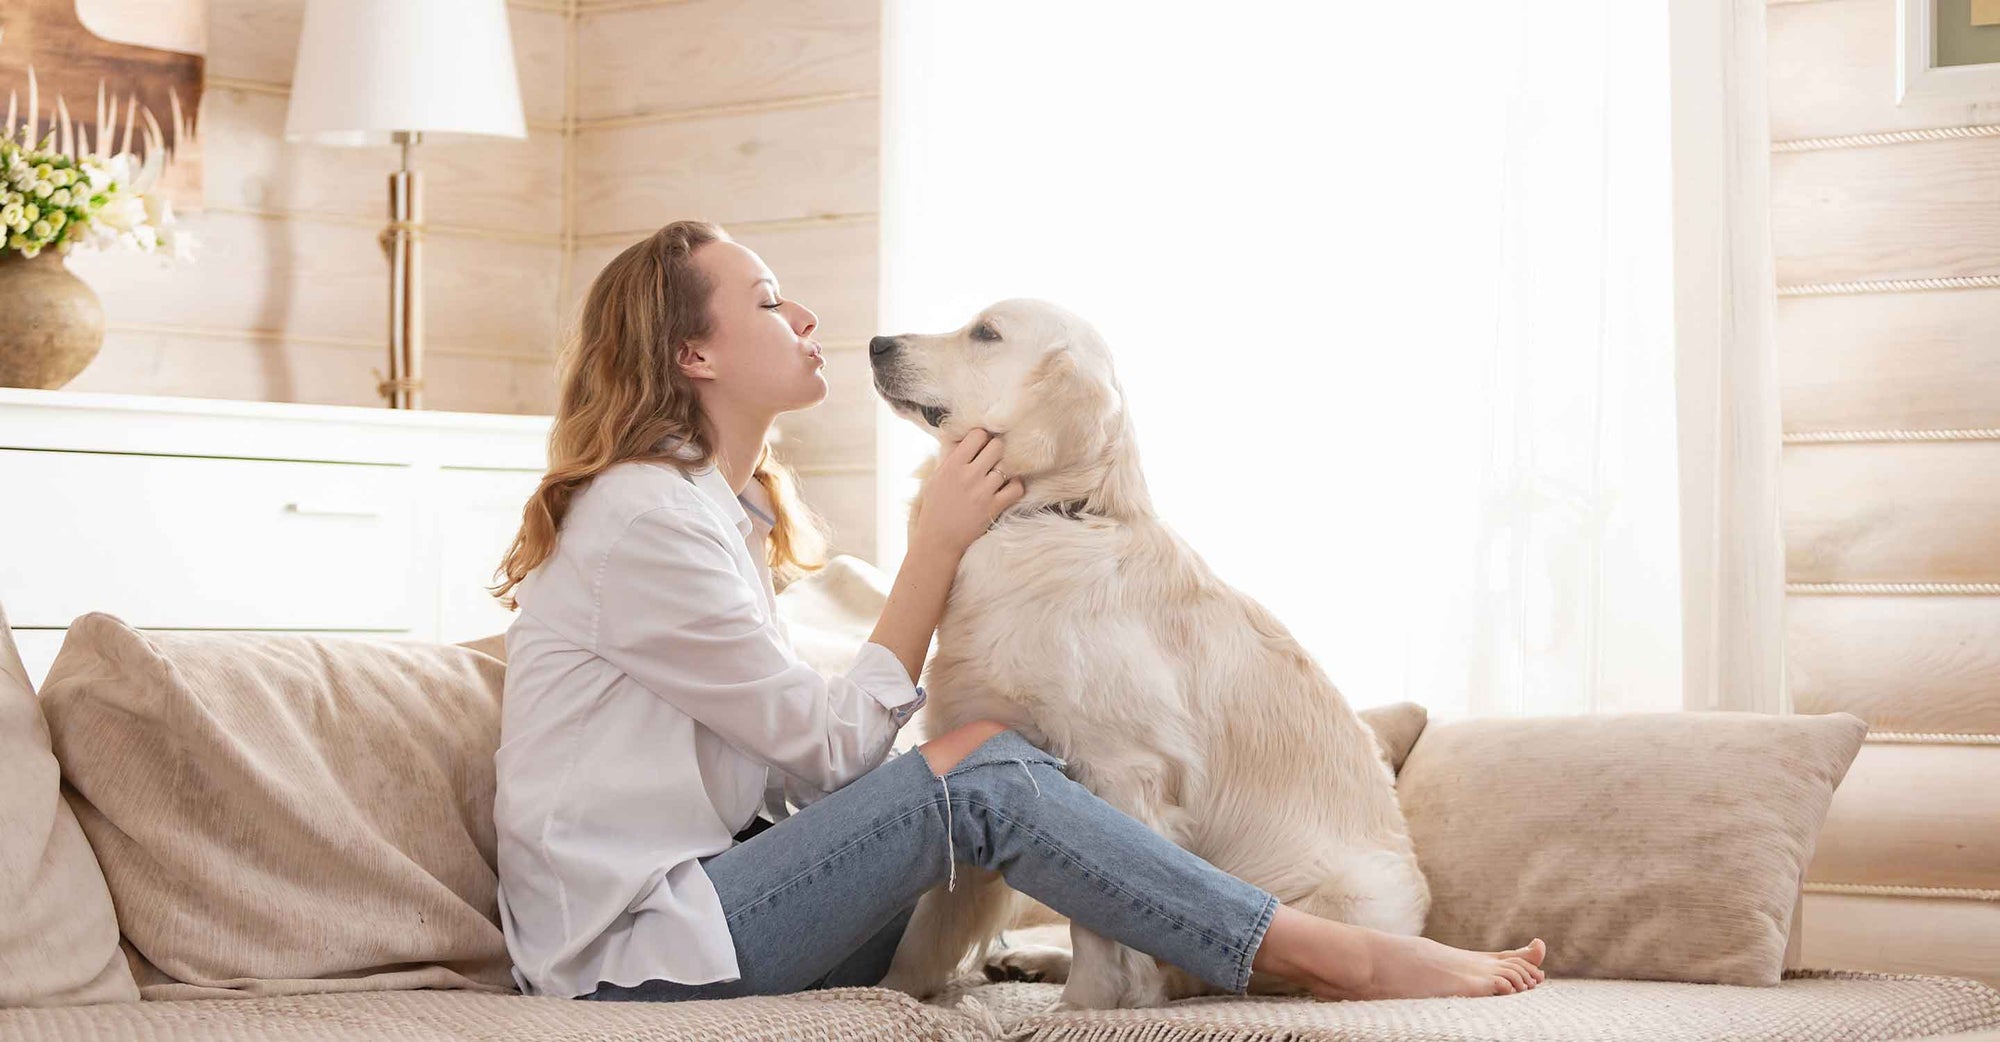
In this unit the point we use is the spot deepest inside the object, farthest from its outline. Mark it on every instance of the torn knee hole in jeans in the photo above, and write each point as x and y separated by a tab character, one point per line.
951	851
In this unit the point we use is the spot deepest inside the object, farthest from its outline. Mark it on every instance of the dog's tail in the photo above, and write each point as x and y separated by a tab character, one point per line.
1369	886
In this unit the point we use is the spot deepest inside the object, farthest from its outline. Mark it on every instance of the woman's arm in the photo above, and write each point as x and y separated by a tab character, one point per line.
960	501
675	611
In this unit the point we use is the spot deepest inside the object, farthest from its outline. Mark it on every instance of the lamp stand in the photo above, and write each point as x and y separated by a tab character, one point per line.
403	242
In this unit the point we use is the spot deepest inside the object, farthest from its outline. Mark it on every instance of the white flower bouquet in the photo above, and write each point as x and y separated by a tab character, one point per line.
50	200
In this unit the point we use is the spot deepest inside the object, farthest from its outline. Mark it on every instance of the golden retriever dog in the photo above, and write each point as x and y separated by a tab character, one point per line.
1086	624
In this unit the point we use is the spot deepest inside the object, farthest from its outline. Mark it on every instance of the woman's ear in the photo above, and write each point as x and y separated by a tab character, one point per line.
1057	416
693	362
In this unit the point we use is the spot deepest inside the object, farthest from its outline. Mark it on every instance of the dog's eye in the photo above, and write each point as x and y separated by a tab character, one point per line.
982	331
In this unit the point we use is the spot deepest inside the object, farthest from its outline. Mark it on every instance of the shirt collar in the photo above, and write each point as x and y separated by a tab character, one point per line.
710	480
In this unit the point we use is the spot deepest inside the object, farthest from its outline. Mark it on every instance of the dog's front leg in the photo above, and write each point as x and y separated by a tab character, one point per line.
947	925
1105	974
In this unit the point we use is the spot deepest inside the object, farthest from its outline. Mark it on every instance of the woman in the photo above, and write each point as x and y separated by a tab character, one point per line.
653	700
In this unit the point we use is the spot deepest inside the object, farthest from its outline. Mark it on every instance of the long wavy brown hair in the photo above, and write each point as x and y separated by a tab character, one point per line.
621	395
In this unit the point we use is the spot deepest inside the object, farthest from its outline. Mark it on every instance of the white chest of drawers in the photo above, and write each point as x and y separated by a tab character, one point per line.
189	513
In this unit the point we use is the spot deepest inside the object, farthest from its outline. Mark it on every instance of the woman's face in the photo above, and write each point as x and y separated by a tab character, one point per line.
759	354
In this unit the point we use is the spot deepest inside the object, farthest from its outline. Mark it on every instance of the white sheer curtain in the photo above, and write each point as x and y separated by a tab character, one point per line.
1391	295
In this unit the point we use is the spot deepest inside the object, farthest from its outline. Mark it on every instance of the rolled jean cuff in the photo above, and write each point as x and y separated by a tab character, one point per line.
1253	942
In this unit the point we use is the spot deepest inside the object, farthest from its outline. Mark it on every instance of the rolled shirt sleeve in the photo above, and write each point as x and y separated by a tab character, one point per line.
804	795
684	622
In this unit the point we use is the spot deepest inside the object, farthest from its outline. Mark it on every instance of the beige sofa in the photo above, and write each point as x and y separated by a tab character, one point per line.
275	836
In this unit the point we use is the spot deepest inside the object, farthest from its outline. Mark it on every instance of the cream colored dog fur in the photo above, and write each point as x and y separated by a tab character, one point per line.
1103	638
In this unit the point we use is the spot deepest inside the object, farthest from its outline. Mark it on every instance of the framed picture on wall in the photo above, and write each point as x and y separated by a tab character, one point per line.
1947	51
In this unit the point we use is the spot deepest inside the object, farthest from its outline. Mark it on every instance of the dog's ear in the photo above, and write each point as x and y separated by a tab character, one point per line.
1057	417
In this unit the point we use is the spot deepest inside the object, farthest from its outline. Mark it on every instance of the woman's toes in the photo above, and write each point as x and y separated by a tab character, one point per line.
1532	952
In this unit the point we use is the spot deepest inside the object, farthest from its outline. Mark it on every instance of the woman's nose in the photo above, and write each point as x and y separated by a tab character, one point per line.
806	321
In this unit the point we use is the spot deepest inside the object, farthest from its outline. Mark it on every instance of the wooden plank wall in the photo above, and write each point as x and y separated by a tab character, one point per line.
287	300
765	118
761	116
1886	226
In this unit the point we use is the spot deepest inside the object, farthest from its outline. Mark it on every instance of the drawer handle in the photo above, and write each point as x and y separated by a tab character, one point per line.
319	510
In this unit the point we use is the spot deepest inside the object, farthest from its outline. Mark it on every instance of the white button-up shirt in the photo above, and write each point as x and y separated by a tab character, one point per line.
653	701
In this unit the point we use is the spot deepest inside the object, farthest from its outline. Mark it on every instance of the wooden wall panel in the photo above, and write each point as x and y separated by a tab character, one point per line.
278	370
840	430
1876	361
1903	935
1923	664
1905	211
320	279
541	50
787	163
847	501
830	267
669	57
1907	816
764	118
584	265
1902	512
1914	816
254	39
494	183
1833	73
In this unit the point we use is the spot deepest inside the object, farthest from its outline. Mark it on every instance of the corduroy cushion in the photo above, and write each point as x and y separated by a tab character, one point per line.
1646	846
1396	726
282	813
58	932
830	613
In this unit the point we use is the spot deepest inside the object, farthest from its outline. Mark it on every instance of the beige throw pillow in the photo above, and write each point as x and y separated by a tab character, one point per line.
281	813
1396	727
830	613
58	932
1651	846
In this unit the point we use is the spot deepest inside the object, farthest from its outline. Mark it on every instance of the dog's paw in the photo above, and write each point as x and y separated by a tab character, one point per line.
1097	993
1035	962
918	986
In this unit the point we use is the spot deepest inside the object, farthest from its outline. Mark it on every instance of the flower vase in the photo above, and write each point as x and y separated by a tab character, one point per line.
51	323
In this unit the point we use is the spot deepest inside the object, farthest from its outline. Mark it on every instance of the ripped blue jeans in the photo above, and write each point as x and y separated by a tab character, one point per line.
821	898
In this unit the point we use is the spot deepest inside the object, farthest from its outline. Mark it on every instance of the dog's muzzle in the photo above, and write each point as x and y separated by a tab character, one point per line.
880	350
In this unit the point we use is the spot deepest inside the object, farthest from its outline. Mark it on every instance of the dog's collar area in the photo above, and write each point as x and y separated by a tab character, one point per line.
1072	509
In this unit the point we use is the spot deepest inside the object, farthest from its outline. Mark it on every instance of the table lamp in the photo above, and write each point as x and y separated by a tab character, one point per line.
379	72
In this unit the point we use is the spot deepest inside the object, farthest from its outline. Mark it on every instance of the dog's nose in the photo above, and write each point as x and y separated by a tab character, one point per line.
880	346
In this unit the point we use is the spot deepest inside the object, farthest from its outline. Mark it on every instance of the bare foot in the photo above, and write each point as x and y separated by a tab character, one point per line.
1341	961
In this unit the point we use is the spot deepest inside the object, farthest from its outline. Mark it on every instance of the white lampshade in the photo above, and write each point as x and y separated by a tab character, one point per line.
370	68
